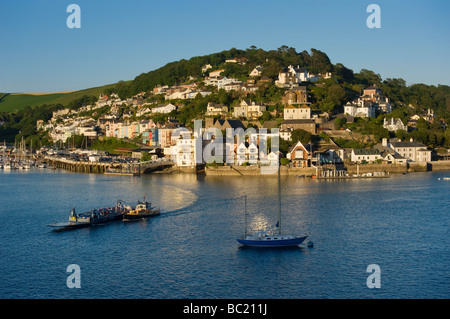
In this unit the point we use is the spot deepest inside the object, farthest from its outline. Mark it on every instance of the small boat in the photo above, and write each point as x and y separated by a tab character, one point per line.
142	210
446	178
7	167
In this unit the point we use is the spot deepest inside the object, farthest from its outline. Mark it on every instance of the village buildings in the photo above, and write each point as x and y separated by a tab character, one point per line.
132	119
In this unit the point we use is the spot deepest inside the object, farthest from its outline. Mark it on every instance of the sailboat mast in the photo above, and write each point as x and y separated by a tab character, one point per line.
279	197
245	214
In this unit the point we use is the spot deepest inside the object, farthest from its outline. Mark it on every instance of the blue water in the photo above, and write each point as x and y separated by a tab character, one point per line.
400	223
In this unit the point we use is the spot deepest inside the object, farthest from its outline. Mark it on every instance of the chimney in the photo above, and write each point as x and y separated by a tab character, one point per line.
411	140
384	142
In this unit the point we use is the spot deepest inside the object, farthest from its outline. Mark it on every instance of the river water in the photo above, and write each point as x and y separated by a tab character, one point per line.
400	224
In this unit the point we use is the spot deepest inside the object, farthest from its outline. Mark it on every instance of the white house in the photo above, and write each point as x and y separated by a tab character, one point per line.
222	82
185	152
247	154
216	73
360	108
297	113
394	124
365	155
247	109
241	154
216	109
291	76
164	109
412	151
257	71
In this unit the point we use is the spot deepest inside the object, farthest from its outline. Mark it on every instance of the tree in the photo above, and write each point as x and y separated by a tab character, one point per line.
319	62
340	122
266	116
300	135
368	77
343	74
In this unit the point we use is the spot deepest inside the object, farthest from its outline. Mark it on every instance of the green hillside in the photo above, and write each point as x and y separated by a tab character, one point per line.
15	102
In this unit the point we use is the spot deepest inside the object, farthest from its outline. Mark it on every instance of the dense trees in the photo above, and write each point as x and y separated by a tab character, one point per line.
23	123
272	61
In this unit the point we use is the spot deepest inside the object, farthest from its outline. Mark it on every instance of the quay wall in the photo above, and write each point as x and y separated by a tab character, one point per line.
418	167
74	166
439	166
257	171
370	168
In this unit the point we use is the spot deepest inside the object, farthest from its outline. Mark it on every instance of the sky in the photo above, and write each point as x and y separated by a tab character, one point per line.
118	39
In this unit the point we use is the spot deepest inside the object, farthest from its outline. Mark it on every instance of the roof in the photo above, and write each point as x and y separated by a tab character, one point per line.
303	121
407	144
366	151
302	106
300	144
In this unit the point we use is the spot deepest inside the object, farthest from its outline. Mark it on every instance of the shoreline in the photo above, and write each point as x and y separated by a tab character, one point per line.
342	171
345	171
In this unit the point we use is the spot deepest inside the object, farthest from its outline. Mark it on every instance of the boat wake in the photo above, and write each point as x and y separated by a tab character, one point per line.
193	207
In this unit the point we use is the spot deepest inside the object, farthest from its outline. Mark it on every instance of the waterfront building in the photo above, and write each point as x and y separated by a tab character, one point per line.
300	155
412	151
365	155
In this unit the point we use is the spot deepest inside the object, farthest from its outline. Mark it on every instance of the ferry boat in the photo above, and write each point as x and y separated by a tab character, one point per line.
93	217
142	210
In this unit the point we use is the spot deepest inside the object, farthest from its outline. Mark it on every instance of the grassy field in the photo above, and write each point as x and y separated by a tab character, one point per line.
17	101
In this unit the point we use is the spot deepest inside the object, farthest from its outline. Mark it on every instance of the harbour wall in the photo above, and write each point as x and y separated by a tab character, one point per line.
439	166
355	169
76	166
258	171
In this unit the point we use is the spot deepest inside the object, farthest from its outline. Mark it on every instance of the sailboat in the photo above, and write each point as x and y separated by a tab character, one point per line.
262	239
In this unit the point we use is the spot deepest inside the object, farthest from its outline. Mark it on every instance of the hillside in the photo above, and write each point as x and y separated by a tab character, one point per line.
17	101
329	93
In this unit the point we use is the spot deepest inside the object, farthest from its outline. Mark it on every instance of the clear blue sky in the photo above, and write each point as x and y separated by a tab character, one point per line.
119	40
